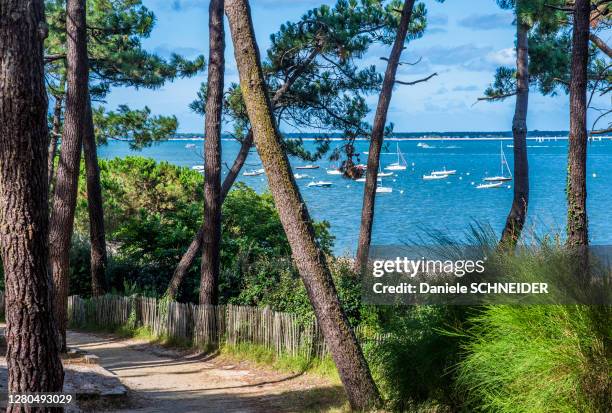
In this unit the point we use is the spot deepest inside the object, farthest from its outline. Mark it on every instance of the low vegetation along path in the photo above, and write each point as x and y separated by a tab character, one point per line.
162	380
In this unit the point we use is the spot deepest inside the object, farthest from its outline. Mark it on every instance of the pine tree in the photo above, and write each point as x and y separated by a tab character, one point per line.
314	82
32	356
211	240
311	263
65	194
116	58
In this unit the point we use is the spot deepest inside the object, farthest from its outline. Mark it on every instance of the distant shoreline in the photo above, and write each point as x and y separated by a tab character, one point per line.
424	138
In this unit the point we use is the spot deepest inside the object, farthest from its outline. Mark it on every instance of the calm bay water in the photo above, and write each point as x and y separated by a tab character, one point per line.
416	207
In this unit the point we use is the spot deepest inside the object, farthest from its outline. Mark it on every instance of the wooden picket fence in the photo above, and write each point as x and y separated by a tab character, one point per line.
205	325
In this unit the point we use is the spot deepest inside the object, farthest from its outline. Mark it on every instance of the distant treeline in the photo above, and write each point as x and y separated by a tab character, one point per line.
410	135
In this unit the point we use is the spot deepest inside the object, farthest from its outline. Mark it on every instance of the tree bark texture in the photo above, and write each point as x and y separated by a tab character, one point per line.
310	261
601	44
32	348
376	140
518	211
95	206
577	225
211	234
65	194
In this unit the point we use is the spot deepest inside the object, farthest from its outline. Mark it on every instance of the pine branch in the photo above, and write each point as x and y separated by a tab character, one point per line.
425	79
405	63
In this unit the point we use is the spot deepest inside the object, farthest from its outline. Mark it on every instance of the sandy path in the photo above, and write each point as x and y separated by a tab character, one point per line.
164	381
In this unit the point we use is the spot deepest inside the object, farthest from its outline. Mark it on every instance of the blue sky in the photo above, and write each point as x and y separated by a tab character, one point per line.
464	43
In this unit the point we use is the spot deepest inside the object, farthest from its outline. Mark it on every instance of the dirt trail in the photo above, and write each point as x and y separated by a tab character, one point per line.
161	380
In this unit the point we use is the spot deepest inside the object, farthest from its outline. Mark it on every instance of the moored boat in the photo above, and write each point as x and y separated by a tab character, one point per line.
489	186
434	177
401	163
320	184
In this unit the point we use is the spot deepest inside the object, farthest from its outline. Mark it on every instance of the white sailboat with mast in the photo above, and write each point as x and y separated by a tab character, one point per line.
401	163
504	163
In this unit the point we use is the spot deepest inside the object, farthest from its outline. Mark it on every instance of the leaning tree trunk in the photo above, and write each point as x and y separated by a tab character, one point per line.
577	226
310	261
56	132
378	131
211	237
518	211
65	194
97	236
32	349
195	245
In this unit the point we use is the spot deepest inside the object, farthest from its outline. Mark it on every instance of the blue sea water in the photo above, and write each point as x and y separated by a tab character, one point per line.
416	208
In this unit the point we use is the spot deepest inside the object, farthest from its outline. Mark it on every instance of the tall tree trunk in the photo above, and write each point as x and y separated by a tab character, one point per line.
193	249
518	211
97	236
56	132
577	226
32	348
310	261
65	194
378	131
211	236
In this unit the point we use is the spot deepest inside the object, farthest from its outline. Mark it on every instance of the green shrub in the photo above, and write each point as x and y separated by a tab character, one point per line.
153	210
413	364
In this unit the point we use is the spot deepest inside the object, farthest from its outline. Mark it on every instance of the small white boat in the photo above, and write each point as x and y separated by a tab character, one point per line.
311	166
198	167
383	189
491	185
190	146
334	172
383	174
254	172
504	162
400	165
300	176
320	184
497	179
434	177
444	172
363	179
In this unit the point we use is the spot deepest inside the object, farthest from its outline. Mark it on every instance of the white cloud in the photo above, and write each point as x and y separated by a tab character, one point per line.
504	57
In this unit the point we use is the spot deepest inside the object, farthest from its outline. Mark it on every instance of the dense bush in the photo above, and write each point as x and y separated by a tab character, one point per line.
152	211
413	366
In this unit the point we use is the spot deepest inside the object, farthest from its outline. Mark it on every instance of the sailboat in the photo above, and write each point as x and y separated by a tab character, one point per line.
504	162
490	185
383	189
400	165
311	166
